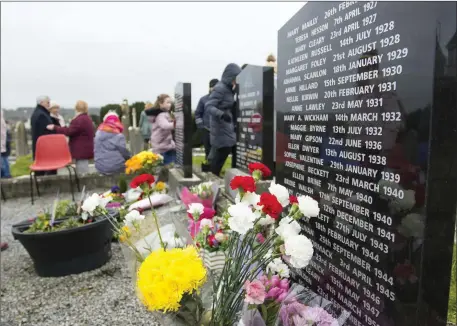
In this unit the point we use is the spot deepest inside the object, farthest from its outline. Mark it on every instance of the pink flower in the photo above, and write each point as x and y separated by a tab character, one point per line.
260	238
274	292
255	292
281	297
275	279
284	284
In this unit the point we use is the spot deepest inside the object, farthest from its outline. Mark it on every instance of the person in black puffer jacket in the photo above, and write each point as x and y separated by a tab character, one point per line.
222	129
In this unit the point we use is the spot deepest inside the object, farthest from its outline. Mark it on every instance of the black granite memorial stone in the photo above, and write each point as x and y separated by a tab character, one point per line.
183	131
255	103
367	125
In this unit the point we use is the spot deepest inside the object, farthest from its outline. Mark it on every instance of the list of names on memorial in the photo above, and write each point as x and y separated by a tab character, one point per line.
341	115
249	144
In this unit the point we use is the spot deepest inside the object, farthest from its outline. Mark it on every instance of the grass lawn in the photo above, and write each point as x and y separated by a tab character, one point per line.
198	160
21	166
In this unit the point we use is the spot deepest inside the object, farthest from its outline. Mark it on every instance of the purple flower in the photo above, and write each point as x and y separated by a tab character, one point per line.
115	189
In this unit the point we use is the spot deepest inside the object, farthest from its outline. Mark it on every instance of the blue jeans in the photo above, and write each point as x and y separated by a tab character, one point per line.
169	157
5	168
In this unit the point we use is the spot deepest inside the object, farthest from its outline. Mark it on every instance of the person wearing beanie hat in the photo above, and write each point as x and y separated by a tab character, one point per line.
110	147
202	118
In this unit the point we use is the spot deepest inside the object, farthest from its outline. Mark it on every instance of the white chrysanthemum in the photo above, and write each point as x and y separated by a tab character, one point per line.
308	206
300	250
281	193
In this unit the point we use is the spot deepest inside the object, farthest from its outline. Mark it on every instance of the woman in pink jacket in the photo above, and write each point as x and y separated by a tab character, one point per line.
162	129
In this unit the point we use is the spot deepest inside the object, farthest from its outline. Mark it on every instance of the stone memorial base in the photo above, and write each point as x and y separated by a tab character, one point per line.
176	180
262	185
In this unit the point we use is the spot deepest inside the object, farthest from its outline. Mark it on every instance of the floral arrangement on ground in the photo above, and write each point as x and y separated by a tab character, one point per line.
259	237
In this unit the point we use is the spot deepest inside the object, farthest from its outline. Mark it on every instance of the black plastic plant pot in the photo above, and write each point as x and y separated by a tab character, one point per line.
70	251
206	167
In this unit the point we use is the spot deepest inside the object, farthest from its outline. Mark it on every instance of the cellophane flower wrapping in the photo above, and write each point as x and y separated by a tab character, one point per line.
302	306
187	197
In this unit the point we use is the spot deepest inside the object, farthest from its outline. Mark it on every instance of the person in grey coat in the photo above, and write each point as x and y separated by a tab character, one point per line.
222	129
110	149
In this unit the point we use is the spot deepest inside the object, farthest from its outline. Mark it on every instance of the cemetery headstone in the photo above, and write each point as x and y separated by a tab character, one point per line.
183	130
367	125
136	140
125	123
20	139
255	102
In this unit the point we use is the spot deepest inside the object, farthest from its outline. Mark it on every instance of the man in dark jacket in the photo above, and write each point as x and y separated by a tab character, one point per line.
220	105
202	118
41	117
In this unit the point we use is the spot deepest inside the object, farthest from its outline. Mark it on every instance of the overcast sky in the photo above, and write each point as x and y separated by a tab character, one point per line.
104	52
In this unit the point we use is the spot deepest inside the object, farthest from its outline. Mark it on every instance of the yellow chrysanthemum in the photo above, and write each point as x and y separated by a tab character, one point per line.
165	276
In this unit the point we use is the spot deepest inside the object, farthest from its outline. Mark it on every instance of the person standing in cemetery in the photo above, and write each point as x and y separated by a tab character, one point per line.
110	147
81	133
222	129
162	128
40	119
6	148
202	119
57	119
145	125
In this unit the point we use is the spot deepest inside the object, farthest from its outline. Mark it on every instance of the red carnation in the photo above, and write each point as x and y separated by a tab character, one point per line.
212	240
271	205
142	179
246	183
266	172
293	199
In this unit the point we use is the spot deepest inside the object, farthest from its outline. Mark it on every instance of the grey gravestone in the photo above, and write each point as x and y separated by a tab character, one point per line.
183	131
255	103
136	140
20	139
125	123
367	124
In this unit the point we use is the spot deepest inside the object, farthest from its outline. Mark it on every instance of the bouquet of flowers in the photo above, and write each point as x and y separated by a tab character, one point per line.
143	162
263	297
210	235
201	193
169	276
248	258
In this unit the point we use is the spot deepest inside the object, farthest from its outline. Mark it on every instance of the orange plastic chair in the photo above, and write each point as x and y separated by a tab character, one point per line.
52	153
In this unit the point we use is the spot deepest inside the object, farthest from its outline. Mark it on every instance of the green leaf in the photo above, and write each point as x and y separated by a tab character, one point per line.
264	312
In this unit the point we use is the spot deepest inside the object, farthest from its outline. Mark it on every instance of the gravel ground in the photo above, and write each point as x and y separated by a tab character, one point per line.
101	297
